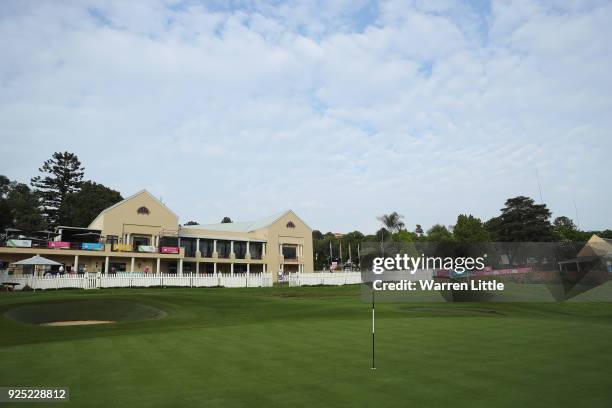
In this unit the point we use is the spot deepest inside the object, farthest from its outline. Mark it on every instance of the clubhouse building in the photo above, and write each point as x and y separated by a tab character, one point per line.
141	234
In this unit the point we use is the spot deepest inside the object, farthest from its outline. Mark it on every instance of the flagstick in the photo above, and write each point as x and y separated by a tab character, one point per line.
373	332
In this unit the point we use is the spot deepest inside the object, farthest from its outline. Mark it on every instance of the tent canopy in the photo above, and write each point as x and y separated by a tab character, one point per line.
36	260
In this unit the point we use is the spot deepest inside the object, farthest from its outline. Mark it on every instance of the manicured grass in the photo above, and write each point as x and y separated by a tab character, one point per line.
310	347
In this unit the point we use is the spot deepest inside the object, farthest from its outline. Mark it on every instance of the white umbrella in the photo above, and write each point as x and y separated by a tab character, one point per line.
36	260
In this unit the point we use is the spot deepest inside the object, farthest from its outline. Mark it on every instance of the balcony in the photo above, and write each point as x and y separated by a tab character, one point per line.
58	245
89	246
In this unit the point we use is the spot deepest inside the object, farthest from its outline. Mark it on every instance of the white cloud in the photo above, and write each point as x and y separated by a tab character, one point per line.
339	110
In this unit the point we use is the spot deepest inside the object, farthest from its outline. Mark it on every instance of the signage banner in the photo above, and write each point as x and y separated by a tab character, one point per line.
19	243
58	245
92	246
146	248
122	247
170	250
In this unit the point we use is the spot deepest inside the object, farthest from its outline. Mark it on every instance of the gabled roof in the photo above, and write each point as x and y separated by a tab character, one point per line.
129	198
245	226
596	246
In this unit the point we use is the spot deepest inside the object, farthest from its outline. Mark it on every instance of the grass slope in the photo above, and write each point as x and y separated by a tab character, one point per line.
305	347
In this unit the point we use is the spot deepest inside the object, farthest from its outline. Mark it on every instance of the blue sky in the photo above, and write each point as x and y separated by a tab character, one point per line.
340	110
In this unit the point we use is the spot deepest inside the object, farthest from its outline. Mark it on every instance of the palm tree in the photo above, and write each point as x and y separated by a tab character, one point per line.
392	222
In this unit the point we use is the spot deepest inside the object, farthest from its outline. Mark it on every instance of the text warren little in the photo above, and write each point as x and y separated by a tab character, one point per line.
433	285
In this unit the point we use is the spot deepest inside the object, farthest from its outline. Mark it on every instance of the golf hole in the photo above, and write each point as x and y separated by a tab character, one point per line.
83	312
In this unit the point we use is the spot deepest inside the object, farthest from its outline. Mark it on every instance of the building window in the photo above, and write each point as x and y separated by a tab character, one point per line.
206	248
168	241
240	249
223	249
290	224
143	211
190	246
289	252
256	250
139	240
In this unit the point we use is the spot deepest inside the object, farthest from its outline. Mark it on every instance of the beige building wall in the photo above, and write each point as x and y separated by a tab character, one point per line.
124	217
144	215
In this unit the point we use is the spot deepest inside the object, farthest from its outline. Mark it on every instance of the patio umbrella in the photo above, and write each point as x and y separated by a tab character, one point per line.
36	260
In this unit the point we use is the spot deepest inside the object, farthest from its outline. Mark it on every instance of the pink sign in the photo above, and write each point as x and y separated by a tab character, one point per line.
170	250
58	244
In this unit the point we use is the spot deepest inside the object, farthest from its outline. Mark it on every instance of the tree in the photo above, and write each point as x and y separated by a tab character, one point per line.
564	222
19	207
439	233
316	234
566	229
419	230
522	220
5	210
470	229
192	223
392	222
226	220
79	208
383	235
606	234
23	208
405	236
61	176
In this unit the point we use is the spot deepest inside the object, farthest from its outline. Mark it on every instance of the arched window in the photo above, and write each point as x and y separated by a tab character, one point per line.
290	224
143	211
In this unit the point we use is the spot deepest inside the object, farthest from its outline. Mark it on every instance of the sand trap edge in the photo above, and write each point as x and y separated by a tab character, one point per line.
76	323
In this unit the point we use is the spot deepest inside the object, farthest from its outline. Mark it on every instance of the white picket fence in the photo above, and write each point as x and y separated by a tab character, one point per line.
142	280
98	280
324	278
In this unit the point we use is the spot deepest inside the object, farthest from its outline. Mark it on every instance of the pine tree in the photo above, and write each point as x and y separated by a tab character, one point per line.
522	220
61	176
80	208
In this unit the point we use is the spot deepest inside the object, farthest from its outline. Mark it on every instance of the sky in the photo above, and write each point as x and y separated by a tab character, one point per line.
341	110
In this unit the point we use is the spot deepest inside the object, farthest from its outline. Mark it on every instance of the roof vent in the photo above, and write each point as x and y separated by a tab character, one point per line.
143	211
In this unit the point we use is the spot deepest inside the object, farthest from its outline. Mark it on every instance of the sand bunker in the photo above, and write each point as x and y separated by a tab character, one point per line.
82	312
77	322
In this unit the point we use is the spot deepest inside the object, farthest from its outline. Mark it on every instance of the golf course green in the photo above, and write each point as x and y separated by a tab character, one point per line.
303	347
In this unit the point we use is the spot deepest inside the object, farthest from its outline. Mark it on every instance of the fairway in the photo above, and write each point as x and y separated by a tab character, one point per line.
310	347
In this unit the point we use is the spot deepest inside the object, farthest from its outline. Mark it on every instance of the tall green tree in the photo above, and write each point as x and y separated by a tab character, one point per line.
439	233
79	208
5	210
392	222
61	175
405	236
470	229
566	230
522	220
24	213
